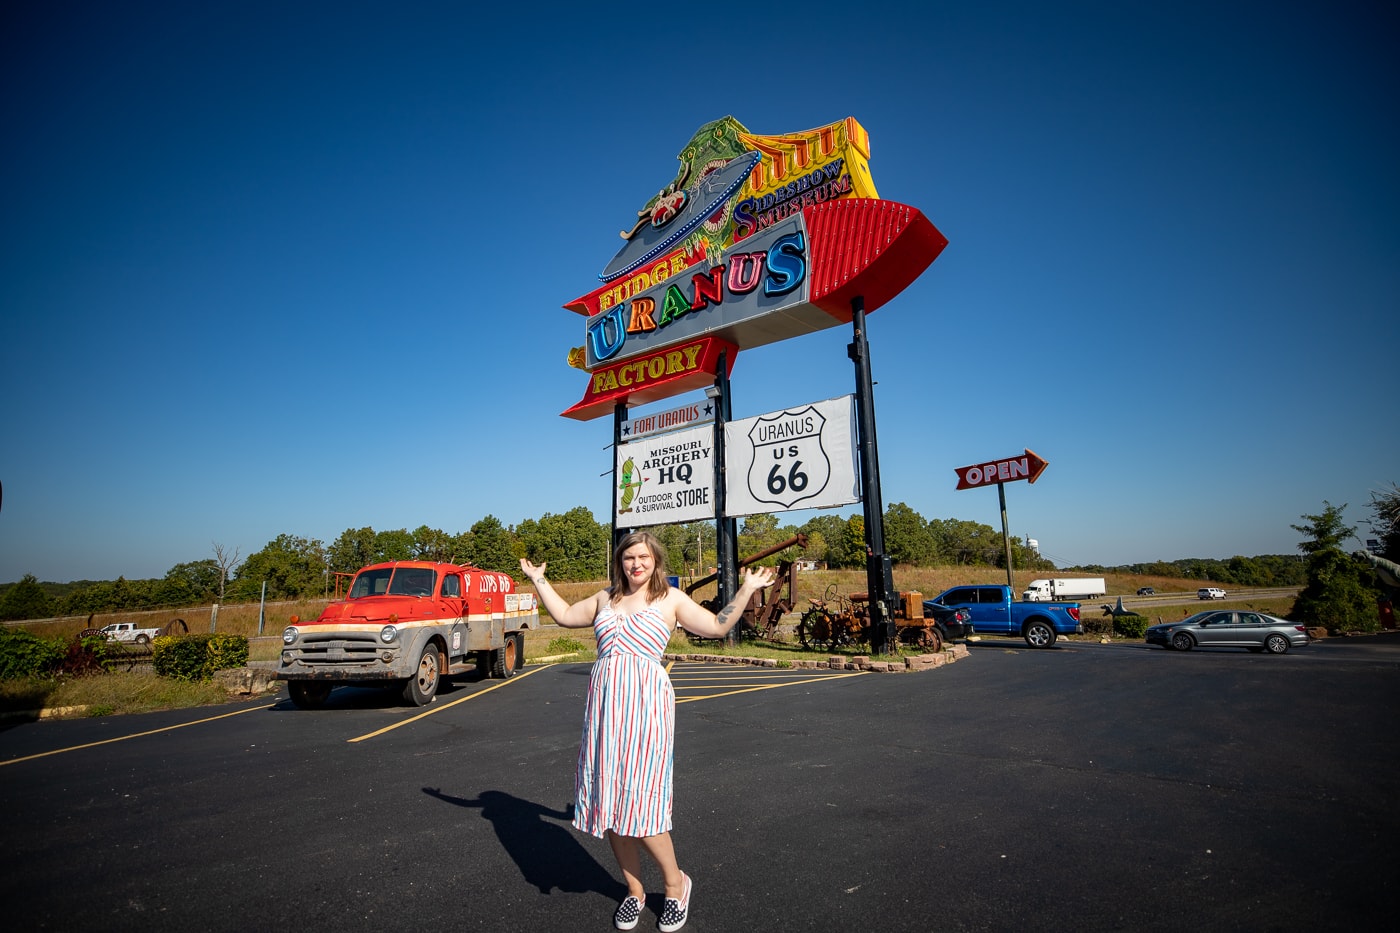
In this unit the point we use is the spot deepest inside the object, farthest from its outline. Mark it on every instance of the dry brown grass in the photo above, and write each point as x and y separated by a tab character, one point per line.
233	619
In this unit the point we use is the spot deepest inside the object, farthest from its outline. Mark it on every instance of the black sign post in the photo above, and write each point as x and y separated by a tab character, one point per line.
726	528
879	577
619	420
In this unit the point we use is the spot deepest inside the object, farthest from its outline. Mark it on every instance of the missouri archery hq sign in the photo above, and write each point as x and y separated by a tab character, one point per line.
756	239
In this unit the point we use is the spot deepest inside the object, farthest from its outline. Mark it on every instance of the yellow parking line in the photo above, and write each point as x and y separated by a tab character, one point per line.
438	709
791	683
769	675
136	735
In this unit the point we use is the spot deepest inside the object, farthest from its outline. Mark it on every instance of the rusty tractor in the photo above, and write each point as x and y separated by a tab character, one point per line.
836	621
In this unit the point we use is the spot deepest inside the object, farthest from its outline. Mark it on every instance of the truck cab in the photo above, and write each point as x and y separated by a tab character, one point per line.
991	610
995	613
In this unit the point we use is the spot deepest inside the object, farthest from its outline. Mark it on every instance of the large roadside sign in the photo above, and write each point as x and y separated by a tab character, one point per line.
758	239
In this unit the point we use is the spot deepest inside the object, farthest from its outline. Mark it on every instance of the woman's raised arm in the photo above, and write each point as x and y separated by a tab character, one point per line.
698	620
580	615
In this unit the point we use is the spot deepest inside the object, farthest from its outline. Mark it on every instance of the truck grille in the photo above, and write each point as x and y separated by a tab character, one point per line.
340	648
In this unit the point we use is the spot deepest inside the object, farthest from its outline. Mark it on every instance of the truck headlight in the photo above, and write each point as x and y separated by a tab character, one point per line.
289	635
388	634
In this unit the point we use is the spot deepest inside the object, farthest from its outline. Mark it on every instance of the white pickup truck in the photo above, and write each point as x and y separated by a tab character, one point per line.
128	632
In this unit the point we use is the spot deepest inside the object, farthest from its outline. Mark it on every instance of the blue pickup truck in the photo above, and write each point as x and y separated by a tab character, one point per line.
994	612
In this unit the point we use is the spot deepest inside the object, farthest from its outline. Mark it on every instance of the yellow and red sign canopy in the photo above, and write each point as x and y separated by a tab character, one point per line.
758	239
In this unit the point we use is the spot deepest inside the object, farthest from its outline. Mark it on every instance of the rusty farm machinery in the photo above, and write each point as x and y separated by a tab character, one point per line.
832	622
836	621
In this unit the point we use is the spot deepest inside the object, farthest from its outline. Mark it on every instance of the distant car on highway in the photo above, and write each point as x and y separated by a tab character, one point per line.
1222	628
1210	592
1146	591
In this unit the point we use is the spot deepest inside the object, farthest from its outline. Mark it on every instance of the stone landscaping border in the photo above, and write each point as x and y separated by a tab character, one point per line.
859	662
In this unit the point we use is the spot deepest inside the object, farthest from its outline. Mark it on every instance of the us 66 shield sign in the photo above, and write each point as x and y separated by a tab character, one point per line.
800	458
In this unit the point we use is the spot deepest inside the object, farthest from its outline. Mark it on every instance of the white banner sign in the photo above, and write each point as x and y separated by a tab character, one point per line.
665	479
801	458
697	413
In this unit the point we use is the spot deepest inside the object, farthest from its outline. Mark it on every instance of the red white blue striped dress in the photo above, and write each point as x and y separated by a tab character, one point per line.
623	782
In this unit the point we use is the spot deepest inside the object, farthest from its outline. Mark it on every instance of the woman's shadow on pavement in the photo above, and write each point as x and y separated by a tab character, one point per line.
547	854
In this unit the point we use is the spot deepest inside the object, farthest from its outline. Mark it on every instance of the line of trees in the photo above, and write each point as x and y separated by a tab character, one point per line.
576	546
574	543
1263	570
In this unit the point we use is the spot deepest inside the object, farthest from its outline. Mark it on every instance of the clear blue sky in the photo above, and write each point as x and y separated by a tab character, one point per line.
241	241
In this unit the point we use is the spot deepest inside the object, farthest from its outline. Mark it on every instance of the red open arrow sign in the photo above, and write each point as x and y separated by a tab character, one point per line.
1027	466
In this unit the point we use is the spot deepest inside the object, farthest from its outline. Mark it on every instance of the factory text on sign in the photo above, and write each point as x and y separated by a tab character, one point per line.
1028	466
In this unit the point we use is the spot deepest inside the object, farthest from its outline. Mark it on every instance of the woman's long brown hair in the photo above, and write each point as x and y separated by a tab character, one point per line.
657	586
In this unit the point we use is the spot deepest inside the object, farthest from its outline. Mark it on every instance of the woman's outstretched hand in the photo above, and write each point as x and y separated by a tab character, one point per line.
534	573
757	578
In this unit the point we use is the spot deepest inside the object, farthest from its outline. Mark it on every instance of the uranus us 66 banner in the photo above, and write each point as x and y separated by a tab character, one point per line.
801	458
667	478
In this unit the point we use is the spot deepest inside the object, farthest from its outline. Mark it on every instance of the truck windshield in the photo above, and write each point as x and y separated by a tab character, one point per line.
395	581
412	581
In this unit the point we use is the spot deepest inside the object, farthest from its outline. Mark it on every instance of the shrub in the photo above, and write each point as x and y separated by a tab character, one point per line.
226	652
1097	625
179	657
564	645
25	655
84	656
1130	626
196	657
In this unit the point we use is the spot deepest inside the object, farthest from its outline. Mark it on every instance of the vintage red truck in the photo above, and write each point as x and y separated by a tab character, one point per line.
409	624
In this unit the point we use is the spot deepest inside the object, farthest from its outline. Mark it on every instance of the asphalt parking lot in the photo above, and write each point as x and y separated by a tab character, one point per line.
1085	787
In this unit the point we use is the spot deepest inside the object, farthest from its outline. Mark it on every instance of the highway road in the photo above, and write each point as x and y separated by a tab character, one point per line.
1145	604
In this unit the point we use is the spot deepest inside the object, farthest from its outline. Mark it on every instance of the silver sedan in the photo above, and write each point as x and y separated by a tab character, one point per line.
1228	629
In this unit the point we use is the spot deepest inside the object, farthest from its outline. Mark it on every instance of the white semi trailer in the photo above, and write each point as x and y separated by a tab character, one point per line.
1064	589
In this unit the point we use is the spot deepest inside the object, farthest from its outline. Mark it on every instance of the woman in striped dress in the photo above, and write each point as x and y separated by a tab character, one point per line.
623	782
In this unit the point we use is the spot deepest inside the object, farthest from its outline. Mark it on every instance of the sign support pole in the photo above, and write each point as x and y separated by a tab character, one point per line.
1006	537
726	528
878	575
619	420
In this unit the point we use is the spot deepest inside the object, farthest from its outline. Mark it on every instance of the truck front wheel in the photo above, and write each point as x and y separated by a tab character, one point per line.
1040	634
422	686
309	694
506	661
